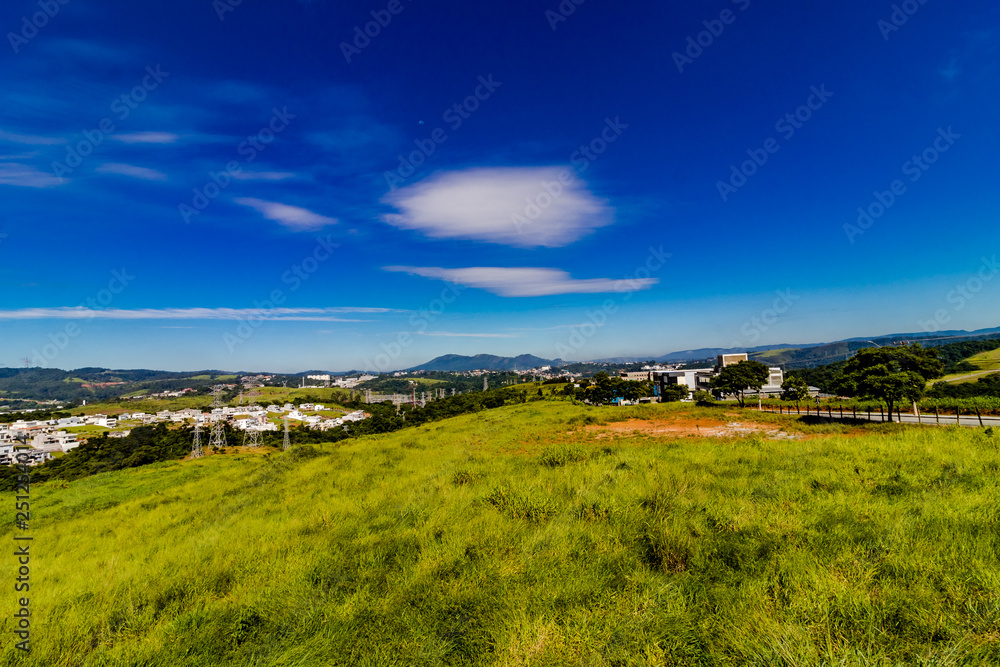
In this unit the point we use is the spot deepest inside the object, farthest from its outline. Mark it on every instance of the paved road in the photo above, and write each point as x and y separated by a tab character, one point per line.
943	420
974	375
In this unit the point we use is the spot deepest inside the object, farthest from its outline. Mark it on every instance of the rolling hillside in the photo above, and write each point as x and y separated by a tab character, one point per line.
537	534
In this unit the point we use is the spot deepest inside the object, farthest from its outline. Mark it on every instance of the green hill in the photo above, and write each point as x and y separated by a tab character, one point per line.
531	535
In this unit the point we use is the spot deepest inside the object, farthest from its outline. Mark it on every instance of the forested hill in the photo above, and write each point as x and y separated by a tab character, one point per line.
94	384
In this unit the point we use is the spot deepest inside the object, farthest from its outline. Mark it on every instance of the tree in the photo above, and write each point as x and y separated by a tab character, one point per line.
794	389
674	392
890	374
736	379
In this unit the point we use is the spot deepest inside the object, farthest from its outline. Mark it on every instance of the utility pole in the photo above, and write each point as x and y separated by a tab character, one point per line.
218	438
196	452
251	436
287	442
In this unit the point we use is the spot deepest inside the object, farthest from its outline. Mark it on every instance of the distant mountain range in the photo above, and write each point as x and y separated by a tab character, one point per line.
489	362
792	355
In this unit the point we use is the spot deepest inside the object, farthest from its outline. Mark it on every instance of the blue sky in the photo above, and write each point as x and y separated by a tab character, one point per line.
262	185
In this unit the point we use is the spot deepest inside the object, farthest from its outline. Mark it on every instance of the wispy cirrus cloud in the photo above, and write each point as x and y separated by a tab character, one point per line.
285	314
30	139
26	176
293	217
263	175
518	206
455	334
143	173
523	282
147	138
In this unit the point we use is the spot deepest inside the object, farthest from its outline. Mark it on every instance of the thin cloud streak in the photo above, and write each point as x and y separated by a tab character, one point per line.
285	314
525	282
292	217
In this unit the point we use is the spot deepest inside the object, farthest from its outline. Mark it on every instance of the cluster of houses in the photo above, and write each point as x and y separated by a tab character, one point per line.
335	381
46	437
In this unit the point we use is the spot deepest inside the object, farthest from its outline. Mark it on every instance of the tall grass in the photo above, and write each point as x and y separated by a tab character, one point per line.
514	537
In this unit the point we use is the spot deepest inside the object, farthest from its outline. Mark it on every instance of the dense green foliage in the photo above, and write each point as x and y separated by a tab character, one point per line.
953	354
517	537
823	378
55	384
985	386
890	374
794	389
737	379
606	389
674	392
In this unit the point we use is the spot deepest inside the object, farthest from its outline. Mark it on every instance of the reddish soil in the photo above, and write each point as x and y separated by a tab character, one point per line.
690	427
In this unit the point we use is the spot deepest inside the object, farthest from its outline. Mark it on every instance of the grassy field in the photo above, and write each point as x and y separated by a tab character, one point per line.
986	363
89	429
535	534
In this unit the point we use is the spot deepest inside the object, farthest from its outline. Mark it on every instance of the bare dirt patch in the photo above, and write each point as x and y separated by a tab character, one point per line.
691	427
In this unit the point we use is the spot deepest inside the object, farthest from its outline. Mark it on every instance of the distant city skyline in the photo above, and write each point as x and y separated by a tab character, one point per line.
355	185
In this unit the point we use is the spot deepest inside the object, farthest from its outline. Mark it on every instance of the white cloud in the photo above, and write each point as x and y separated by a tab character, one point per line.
519	206
26	176
525	281
452	334
263	175
142	173
30	140
146	138
285	314
290	216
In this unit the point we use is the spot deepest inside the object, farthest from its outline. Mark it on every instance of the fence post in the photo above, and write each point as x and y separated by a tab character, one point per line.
979	416
937	415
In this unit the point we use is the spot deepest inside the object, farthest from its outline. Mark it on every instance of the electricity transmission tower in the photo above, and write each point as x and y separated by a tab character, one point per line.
251	436
287	442
196	452
218	438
